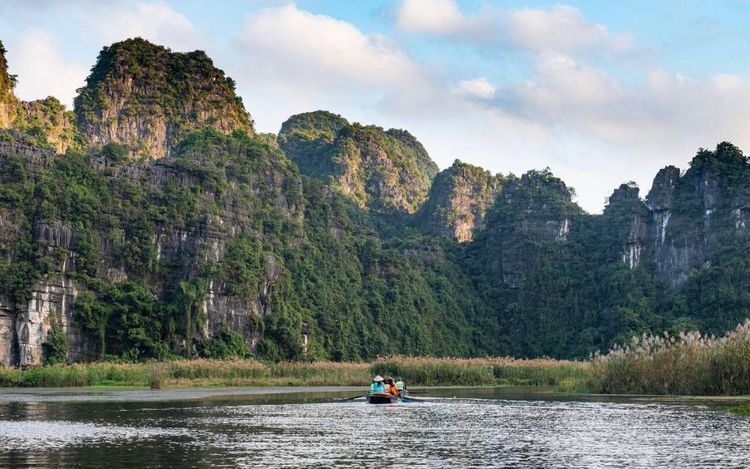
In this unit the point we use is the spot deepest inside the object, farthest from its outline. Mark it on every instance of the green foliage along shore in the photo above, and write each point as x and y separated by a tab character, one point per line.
563	375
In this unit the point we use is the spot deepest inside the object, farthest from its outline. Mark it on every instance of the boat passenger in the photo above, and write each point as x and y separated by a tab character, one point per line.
377	385
390	386
400	385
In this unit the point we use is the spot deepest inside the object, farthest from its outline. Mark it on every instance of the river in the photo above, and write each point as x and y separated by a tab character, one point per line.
313	427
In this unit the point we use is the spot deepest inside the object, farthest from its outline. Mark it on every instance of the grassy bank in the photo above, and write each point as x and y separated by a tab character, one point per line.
566	375
687	364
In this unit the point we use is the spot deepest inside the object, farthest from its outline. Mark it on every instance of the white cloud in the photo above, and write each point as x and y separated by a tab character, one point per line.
290	60
432	16
42	69
477	88
155	21
297	44
560	28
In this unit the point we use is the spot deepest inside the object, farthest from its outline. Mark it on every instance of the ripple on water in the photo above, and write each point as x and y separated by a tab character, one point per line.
34	435
463	433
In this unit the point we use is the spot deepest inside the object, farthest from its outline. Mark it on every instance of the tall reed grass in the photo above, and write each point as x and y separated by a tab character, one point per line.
489	371
687	364
415	370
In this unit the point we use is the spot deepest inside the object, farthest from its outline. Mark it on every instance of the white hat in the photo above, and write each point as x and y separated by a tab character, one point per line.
378	378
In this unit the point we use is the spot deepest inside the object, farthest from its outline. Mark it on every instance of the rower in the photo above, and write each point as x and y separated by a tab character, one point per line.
400	385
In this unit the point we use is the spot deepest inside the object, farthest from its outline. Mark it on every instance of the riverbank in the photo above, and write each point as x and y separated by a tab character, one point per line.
567	376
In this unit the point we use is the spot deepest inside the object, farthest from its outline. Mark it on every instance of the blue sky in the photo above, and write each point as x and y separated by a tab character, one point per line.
600	92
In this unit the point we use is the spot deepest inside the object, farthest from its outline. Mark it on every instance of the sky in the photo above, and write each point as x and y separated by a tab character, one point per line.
602	93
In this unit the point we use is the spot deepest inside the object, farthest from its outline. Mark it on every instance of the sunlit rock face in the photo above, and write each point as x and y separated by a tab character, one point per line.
458	202
147	97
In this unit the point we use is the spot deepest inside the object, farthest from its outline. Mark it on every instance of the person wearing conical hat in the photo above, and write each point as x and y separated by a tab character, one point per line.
377	385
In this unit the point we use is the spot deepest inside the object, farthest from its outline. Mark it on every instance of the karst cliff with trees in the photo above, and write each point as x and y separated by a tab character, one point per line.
152	221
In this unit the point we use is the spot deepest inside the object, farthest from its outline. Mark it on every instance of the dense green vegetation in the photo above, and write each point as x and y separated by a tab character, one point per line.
238	246
361	295
376	169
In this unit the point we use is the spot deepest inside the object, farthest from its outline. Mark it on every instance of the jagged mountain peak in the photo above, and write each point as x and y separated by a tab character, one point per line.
147	97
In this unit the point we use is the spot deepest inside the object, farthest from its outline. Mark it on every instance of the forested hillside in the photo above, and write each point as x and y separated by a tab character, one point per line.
151	221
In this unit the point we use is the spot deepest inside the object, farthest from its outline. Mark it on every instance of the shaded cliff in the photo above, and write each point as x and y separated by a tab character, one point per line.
378	169
147	97
221	250
458	201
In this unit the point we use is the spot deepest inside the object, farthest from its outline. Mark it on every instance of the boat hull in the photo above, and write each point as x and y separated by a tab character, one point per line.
384	398
381	398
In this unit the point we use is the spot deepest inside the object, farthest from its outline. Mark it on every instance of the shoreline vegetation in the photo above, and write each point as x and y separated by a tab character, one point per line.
417	371
685	364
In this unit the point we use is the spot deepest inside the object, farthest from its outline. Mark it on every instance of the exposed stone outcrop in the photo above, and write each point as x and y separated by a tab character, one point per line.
692	215
24	327
148	97
625	220
458	200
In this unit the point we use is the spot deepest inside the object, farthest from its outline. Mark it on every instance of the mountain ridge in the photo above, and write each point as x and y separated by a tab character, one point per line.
223	243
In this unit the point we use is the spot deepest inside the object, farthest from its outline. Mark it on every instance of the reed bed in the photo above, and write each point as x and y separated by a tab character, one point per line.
417	371
687	364
489	371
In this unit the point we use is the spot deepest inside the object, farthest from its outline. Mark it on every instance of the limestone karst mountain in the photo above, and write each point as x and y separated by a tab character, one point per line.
225	243
147	98
458	201
384	170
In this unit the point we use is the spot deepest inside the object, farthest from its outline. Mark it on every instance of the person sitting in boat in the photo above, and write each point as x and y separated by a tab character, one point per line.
390	386
377	386
400	385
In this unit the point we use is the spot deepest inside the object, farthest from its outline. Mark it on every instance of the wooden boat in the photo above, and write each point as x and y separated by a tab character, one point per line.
385	398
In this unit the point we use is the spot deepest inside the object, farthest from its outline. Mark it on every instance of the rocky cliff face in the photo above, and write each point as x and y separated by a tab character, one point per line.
70	249
695	215
147	97
535	208
382	170
458	201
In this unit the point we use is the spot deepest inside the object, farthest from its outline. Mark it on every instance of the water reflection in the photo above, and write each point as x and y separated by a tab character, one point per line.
439	433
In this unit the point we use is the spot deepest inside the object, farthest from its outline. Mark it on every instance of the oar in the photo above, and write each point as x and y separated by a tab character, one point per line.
351	398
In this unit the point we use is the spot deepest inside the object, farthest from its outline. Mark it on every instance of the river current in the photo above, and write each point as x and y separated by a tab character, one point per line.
206	429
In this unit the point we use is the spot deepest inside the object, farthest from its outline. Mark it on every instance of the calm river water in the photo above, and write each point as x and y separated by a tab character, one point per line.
209	428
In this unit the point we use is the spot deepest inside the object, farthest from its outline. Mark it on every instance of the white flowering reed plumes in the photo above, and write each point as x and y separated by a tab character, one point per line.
689	363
